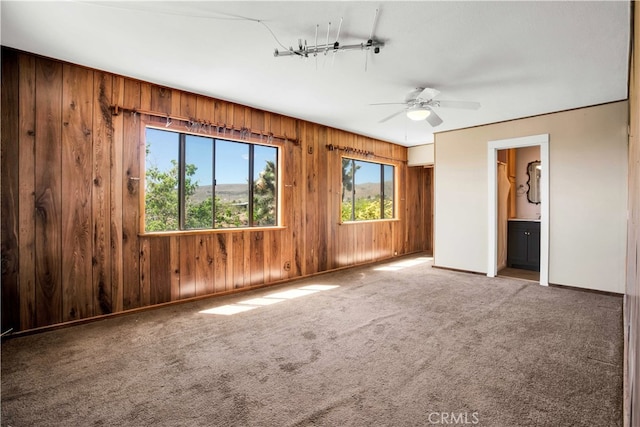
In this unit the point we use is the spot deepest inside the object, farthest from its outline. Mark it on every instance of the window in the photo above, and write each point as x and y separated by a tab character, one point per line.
196	182
367	190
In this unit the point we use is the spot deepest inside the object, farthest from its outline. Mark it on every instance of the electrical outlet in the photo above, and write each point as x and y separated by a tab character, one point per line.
287	265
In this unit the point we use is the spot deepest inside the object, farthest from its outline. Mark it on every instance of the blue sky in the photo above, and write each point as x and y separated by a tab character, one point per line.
231	157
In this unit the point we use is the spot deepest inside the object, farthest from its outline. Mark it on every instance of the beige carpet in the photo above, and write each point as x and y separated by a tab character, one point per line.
405	345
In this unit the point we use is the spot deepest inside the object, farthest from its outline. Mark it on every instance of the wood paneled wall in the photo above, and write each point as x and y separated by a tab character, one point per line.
632	294
71	244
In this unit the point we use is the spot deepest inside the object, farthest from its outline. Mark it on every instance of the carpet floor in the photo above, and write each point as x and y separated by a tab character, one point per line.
394	344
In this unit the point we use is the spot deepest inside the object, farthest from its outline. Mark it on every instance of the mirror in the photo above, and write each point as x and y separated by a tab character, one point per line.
534	170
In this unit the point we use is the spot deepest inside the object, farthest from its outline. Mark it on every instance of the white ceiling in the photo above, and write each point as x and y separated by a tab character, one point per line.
517	59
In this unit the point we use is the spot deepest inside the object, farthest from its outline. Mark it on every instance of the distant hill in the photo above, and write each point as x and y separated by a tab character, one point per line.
227	192
238	192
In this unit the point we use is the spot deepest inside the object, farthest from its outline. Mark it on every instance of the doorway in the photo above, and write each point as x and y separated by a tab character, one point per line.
493	147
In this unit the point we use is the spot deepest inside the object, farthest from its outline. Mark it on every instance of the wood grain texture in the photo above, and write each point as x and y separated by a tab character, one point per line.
188	266
130	197
256	258
10	220
322	199
27	213
298	247
101	199
220	262
160	275
116	186
48	192
204	265
309	245
145	270
187	105
84	173
174	268
205	109
286	205
77	224
238	259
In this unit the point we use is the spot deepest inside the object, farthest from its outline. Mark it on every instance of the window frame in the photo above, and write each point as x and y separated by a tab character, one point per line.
382	165
181	187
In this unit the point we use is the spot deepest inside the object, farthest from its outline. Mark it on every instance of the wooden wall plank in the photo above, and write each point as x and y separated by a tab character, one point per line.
145	271
26	141
310	176
174	267
204	265
77	162
231	119
145	101
205	109
220	112
322	198
256	257
275	124
272	257
160	275
267	254
187	266
130	196
239	115
333	208
48	186
101	199
289	127
428	211
10	208
188	105
246	259
160	99
116	186
220	262
257	120
176	102
299	153
238	259
286	206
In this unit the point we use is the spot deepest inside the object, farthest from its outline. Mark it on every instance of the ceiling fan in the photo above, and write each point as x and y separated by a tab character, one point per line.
419	104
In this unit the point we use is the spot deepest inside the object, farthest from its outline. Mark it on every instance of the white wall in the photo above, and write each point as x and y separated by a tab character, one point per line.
588	200
524	208
420	155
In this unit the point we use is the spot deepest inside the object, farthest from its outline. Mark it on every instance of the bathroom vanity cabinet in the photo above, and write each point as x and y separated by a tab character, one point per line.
523	245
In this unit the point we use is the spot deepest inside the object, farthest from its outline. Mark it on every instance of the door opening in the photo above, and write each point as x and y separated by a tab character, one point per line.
533	250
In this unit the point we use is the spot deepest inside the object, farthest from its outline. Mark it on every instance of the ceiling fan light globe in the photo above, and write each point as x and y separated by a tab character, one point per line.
418	113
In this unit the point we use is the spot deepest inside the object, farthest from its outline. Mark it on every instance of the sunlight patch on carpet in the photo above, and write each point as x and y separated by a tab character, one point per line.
229	309
269	299
404	264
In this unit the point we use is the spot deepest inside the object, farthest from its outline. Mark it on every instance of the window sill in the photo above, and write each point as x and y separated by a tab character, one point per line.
368	221
208	231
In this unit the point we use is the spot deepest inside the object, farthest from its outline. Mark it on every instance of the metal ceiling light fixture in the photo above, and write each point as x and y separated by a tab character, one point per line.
418	113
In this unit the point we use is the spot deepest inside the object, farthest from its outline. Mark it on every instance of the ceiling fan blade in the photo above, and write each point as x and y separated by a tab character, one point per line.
413	95
428	93
388	103
433	119
467	105
392	116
